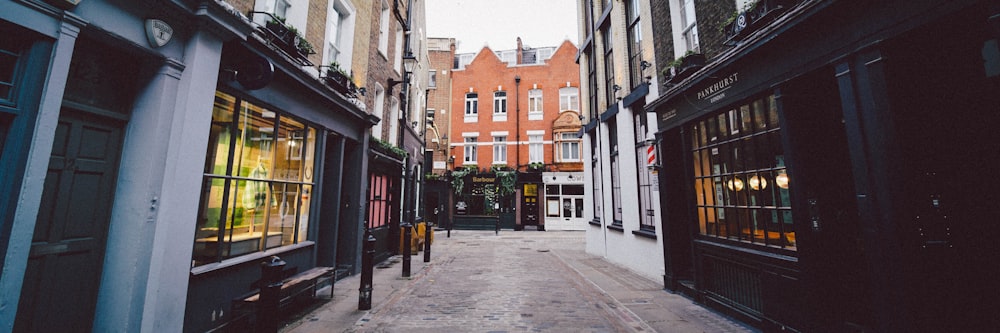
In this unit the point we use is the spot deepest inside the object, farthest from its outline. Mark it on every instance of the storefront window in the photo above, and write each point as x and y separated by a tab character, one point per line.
10	53
740	181
565	201
258	181
379	200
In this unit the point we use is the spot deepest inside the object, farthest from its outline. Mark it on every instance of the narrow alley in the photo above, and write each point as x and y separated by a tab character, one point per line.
478	281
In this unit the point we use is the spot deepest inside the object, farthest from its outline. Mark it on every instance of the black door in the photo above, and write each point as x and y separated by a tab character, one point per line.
67	250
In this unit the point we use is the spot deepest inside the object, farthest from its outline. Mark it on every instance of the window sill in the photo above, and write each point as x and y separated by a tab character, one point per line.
651	234
499	118
248	258
596	223
472	119
539	116
616	227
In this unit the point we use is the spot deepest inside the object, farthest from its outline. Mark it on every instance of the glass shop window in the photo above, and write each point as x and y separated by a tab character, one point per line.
258	181
740	179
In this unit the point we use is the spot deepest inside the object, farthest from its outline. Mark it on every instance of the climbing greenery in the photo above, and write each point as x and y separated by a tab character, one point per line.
507	181
458	178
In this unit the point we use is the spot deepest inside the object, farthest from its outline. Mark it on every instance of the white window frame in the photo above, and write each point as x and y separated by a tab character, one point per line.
383	30
340	34
393	119
432	79
471	107
568	143
569	99
536	146
379	110
469	150
499	106
535	105
500	149
398	63
689	25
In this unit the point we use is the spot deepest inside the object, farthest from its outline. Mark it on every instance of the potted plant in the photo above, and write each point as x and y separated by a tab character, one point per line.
304	47
277	26
684	66
338	78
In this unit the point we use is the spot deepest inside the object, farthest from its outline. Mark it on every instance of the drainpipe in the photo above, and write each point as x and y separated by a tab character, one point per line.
517	121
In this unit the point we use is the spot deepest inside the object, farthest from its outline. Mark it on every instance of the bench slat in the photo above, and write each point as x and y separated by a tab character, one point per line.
294	281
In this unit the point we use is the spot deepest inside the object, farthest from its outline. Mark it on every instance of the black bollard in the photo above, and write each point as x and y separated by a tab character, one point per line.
428	229
367	270
407	233
270	294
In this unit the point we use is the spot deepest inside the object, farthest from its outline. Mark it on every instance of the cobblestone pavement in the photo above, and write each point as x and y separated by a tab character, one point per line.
529	282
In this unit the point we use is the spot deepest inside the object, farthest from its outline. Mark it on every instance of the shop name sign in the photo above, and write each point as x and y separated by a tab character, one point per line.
717	90
483	180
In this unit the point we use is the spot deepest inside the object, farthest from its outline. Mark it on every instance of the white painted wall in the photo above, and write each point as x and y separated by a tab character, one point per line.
640	254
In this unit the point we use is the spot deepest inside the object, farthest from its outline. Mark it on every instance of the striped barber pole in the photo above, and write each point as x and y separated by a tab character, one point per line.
651	155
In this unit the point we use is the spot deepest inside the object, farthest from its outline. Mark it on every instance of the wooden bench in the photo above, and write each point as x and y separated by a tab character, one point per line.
298	286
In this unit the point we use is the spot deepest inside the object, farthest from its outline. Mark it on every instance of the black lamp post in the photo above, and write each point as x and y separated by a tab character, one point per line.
409	62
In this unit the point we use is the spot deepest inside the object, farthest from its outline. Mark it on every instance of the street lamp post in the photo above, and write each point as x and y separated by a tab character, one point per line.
409	62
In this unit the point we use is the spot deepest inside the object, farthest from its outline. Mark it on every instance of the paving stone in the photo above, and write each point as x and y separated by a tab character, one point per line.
525	281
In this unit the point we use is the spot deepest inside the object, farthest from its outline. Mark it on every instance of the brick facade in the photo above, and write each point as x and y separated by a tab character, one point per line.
381	68
485	75
712	15
441	55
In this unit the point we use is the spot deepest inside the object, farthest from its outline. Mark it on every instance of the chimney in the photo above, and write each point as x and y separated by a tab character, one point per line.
519	51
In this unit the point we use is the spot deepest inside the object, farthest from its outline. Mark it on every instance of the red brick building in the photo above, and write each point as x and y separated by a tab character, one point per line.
519	110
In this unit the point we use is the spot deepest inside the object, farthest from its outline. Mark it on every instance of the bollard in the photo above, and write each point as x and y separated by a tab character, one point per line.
407	233
367	271
270	294
428	229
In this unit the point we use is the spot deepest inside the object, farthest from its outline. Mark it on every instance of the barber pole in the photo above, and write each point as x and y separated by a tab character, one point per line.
651	155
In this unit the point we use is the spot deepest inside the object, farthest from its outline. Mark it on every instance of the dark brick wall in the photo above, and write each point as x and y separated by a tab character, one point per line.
712	14
663	38
380	69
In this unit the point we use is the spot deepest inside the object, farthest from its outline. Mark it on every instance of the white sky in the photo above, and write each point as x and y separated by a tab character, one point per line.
498	23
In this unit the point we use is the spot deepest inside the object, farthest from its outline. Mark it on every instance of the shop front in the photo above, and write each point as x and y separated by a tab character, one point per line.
283	158
564	203
483	200
815	177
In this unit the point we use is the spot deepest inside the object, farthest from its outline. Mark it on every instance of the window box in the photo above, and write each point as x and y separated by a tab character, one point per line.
753	17
285	38
340	81
684	67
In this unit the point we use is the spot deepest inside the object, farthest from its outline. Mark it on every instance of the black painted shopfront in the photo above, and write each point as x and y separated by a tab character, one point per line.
832	172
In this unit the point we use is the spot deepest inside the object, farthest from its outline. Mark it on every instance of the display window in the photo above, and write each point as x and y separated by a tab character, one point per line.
565	201
379	201
740	180
258	181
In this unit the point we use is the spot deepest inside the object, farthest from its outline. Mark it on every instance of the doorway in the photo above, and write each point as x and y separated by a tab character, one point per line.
67	249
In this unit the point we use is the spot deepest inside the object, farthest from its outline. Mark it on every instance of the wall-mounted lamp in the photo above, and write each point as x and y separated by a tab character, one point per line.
362	91
617	87
645	64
